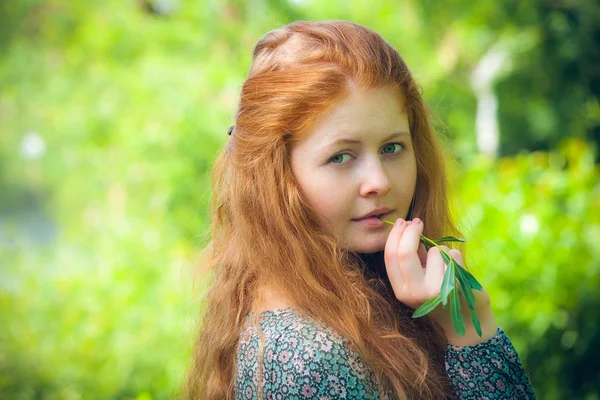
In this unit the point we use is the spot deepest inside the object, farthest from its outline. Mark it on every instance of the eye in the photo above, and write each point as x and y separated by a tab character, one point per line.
338	158
391	147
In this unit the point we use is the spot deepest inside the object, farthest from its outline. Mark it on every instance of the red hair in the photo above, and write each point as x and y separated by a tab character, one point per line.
264	231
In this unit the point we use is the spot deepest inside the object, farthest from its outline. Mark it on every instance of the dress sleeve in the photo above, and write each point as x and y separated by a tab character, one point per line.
488	370
309	365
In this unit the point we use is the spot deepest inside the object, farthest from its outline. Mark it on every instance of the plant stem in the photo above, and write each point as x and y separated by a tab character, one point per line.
449	292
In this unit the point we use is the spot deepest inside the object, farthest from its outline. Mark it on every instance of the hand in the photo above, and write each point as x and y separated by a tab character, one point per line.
416	276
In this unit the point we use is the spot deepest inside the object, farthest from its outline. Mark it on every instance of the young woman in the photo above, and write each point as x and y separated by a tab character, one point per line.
313	295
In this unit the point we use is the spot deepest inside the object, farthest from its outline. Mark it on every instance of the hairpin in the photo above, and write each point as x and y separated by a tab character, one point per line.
230	130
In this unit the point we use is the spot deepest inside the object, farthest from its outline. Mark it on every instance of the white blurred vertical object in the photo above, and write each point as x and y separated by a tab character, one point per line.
486	119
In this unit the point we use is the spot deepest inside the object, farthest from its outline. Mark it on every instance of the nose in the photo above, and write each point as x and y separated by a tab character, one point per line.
374	179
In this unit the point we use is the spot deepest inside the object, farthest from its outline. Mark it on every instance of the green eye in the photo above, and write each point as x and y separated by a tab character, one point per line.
338	158
390	148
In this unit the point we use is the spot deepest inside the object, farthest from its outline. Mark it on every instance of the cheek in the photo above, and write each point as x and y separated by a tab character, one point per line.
404	187
325	196
405	179
327	200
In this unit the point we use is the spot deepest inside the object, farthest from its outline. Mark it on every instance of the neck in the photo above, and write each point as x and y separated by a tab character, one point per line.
375	265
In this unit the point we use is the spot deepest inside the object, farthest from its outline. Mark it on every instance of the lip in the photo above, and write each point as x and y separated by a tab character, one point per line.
372	222
380	211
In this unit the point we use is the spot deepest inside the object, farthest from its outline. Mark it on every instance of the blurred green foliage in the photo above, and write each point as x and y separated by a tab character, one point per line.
113	112
534	226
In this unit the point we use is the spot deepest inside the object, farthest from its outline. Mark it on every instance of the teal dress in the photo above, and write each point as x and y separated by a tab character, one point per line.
303	359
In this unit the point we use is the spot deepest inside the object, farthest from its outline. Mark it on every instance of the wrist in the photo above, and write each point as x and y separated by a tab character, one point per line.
489	328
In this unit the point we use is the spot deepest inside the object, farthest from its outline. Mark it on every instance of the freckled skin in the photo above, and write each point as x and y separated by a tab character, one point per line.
346	181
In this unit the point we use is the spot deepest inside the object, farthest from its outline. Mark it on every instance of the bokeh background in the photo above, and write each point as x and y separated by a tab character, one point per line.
112	112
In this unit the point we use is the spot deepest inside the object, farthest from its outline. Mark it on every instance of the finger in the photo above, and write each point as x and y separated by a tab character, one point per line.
389	254
447	249
410	265
434	273
422	253
457	256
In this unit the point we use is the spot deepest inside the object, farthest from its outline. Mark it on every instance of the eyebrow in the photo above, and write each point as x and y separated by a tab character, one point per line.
352	141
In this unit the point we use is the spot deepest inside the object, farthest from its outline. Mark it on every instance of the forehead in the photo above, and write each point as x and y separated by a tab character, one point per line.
363	114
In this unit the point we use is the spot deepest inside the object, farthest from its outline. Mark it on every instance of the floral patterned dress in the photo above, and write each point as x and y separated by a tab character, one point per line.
303	359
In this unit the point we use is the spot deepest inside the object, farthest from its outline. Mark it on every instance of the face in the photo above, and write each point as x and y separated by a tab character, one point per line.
359	159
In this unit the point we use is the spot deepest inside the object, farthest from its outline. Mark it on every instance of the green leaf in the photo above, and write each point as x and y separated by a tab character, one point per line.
472	281
476	323
427	307
457	319
448	283
450	239
465	287
447	259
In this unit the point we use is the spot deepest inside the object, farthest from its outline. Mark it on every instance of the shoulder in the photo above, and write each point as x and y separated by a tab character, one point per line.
304	357
294	336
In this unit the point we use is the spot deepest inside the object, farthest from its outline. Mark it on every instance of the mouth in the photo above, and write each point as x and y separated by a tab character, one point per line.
374	217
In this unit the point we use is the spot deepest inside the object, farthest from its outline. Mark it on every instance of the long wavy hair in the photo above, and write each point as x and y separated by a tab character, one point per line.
263	229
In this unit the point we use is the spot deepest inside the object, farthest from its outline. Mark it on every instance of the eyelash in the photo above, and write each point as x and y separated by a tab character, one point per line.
339	154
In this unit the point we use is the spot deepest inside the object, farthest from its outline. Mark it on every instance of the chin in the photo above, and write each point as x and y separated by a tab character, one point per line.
368	248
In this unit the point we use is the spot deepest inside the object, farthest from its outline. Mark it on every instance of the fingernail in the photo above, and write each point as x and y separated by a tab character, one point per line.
416	221
399	221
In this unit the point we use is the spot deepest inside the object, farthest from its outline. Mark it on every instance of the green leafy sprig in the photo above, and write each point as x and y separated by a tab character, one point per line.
449	292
